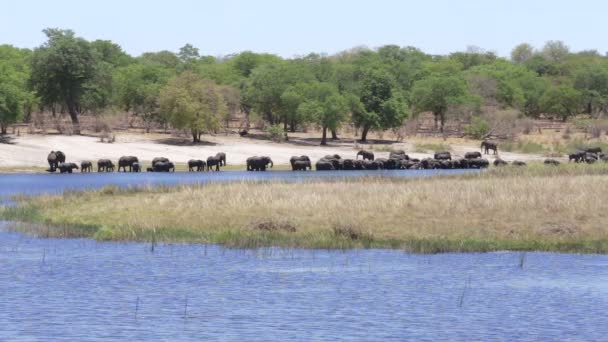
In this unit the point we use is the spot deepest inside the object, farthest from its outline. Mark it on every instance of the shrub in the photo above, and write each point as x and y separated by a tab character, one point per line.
477	129
276	132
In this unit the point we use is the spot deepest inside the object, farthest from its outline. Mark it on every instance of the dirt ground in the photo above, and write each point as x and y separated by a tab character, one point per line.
31	150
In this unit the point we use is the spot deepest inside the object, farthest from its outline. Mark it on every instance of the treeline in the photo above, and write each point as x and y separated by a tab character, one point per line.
371	89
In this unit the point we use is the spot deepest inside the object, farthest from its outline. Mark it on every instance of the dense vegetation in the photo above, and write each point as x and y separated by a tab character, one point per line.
371	89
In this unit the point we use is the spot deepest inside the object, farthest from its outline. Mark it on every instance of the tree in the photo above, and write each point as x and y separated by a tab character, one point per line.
437	94
383	106
319	103
267	84
188	53
190	102
561	100
137	88
522	53
555	50
15	98
61	68
592	81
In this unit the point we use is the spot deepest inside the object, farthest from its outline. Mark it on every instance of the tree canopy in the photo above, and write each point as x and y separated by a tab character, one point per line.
370	89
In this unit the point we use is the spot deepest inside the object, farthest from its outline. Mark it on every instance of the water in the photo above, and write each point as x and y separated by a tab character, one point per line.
83	290
18	183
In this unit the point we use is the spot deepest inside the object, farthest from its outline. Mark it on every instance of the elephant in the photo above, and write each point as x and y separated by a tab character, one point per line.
590	158
295	159
398	154
443	156
136	167
429	163
67	167
347	164
551	162
577	156
54	159
472	155
324	165
358	164
603	157
381	163
86	166
593	150
213	161
487	145
372	165
301	165
366	155
159	160
258	163
393	163
332	156
163	166
105	165
500	162
125	161
222	157
518	163
479	163
196	163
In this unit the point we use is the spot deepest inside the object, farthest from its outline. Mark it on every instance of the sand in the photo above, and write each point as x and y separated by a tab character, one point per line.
32	150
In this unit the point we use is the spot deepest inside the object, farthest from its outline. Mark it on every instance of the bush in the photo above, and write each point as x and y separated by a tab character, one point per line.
276	132
477	129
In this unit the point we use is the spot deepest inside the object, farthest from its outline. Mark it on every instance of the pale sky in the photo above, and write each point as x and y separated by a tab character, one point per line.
290	28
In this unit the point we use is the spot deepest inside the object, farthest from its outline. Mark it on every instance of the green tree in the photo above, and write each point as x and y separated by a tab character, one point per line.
522	53
15	98
384	107
190	102
61	69
562	100
437	94
592	81
137	88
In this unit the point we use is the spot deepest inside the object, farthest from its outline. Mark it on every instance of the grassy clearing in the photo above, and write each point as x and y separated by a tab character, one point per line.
536	208
551	145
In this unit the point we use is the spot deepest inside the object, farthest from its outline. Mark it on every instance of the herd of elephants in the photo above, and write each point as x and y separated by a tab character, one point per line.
397	160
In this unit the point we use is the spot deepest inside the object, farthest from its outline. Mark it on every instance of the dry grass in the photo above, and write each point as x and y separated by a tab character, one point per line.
560	211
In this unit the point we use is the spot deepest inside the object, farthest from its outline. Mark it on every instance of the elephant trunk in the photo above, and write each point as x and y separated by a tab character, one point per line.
270	160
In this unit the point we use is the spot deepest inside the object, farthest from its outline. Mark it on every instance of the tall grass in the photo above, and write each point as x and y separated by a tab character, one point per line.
536	208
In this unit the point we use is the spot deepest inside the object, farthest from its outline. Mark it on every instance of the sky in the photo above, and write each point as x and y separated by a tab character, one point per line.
295	28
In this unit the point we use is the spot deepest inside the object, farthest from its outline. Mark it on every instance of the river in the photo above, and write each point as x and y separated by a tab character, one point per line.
84	290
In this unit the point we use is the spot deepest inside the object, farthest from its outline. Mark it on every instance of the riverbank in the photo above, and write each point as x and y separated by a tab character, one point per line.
535	208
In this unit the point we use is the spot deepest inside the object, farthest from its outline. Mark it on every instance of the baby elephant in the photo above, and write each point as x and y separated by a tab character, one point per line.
86	166
105	165
67	167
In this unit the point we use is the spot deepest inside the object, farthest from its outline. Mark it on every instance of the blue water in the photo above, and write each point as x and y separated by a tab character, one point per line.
16	183
83	290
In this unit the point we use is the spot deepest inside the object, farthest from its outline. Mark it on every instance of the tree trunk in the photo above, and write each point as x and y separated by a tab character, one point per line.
324	138
3	129
292	126
72	109
435	117
196	137
442	119
334	135
364	133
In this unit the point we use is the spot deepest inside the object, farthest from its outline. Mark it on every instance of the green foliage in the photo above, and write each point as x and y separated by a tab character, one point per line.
190	102
563	100
277	133
61	69
382	105
15	99
478	128
437	94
